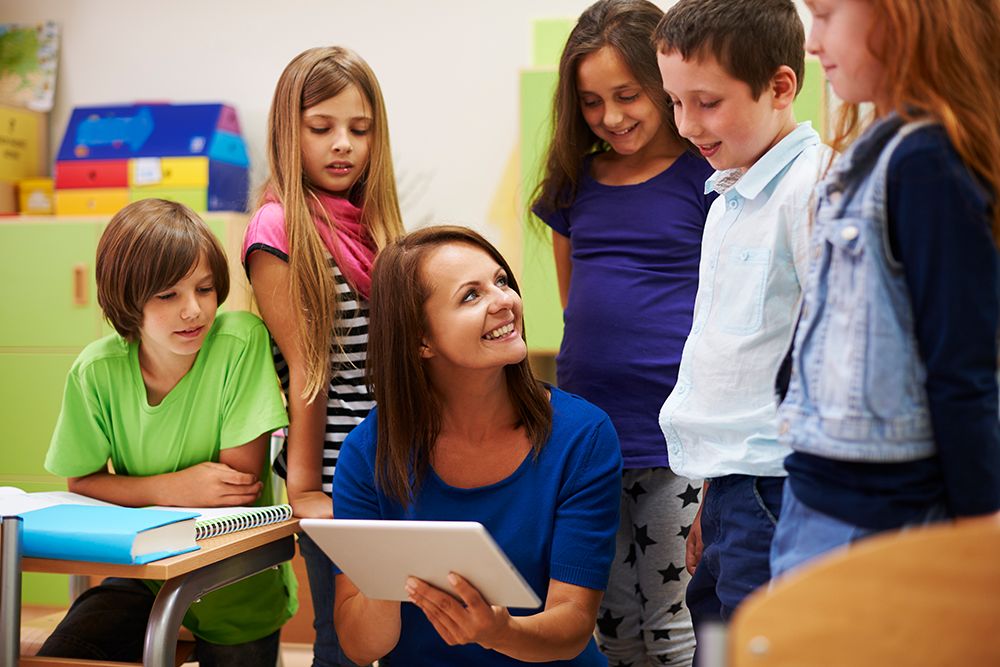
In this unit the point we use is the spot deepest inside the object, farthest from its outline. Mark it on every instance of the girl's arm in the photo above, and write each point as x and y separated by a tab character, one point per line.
561	248
939	228
560	632
231	482
271	280
368	629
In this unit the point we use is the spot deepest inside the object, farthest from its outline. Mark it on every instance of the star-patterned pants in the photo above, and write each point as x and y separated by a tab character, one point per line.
643	619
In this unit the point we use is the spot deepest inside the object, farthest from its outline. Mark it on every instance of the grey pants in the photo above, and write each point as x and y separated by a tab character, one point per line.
643	619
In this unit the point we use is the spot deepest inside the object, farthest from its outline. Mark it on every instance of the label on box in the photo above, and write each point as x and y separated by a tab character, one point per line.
147	171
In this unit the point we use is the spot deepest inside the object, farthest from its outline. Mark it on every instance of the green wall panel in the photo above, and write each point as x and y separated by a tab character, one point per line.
810	103
44	589
548	39
540	290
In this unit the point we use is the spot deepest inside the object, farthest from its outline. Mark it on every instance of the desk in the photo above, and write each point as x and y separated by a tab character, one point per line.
219	562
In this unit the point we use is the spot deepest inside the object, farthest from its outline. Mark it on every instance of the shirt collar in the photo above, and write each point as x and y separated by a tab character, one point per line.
751	182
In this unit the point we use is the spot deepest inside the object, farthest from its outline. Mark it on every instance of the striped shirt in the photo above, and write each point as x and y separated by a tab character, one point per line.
348	398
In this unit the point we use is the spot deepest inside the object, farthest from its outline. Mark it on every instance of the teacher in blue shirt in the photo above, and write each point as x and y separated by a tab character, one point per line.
464	431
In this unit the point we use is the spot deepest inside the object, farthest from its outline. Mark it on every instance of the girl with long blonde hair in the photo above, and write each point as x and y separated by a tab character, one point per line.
328	206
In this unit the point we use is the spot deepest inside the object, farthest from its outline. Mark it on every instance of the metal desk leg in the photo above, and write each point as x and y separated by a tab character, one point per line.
177	594
78	585
10	592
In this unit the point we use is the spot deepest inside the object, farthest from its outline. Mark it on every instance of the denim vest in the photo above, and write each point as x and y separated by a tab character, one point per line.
857	391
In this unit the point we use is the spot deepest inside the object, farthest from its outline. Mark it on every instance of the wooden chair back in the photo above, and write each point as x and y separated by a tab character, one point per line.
926	596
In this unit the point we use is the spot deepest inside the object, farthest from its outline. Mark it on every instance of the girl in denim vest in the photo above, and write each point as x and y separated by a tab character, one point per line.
891	411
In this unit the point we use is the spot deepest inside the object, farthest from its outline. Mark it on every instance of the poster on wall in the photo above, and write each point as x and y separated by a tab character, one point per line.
29	54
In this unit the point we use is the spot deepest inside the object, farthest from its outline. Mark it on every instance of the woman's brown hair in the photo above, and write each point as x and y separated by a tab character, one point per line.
940	59
627	27
148	246
409	411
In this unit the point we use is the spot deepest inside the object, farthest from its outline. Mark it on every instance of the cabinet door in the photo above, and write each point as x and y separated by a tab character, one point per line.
47	292
30	397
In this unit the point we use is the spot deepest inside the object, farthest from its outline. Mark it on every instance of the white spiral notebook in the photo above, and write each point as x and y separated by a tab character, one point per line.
215	521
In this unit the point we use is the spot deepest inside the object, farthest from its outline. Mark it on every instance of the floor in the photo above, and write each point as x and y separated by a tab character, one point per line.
296	655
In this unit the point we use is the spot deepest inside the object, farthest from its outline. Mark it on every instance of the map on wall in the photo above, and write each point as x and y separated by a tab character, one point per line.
29	54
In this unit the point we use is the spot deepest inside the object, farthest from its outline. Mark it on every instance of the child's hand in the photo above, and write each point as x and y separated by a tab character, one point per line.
213	485
692	554
311	505
458	623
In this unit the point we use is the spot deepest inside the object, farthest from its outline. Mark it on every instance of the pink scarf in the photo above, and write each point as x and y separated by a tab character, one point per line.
349	242
353	248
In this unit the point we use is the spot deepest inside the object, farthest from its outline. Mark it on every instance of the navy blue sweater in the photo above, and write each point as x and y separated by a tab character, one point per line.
939	229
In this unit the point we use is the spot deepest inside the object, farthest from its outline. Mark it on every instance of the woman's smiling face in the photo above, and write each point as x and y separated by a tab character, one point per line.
474	318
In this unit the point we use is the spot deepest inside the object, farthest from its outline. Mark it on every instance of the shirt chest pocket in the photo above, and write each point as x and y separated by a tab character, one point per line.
742	284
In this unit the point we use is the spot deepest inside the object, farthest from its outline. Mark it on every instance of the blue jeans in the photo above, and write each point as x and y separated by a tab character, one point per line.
108	622
803	533
319	568
738	516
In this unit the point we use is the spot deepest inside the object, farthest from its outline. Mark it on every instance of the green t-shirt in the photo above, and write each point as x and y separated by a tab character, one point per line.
229	397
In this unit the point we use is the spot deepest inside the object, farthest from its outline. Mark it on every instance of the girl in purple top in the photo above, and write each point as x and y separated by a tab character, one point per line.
625	199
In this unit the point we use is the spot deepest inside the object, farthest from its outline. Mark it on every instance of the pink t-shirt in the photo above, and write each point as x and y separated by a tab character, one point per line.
350	245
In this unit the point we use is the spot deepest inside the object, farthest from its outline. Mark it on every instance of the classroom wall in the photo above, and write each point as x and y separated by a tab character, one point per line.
448	69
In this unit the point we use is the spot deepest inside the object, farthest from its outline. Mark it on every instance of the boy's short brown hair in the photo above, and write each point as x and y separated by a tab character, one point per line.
750	39
148	246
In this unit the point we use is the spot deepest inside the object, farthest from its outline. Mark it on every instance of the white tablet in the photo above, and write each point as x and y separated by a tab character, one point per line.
379	555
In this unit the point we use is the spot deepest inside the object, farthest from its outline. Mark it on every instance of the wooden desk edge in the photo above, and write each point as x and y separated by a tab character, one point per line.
212	550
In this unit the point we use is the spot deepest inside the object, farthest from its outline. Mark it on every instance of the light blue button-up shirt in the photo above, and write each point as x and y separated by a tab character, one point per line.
720	418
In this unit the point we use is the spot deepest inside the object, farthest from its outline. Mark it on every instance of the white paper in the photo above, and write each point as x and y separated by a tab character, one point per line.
147	171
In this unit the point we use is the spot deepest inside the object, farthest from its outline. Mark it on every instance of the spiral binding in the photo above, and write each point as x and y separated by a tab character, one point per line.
255	518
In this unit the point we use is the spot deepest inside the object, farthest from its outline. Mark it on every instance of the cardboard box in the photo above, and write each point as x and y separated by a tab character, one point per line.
195	199
36	196
91	201
168	172
168	147
92	174
24	146
8	198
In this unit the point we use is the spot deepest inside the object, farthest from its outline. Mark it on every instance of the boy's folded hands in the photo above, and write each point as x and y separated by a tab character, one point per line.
212	485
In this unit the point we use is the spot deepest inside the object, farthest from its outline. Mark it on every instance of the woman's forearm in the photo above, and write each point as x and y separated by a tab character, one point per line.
368	629
558	633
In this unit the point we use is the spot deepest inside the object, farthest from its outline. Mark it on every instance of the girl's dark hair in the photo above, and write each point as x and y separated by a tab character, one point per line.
626	26
409	412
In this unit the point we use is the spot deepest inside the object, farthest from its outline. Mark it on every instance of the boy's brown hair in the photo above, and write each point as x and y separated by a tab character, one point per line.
750	39
148	246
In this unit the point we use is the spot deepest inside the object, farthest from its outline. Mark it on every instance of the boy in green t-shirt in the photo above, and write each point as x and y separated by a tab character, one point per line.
182	403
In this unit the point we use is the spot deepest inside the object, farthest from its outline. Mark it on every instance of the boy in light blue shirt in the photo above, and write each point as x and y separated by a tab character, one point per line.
732	69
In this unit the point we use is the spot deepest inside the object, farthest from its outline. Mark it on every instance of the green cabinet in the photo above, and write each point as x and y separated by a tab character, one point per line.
47	292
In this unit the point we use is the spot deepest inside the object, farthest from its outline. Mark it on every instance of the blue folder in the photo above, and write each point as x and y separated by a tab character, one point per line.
105	534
